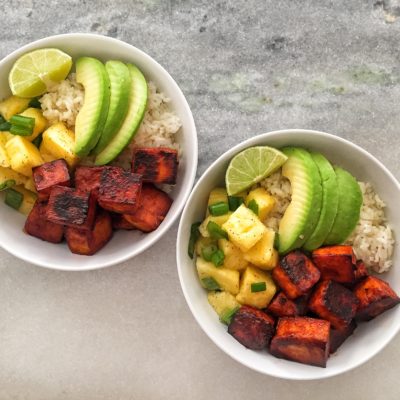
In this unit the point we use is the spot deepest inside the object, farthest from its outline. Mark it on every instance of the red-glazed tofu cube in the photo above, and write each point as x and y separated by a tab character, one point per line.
153	207
302	339
251	327
119	222
336	263
296	274
89	242
361	271
156	164
48	175
282	306
335	303
37	225
71	207
338	336
119	190
375	296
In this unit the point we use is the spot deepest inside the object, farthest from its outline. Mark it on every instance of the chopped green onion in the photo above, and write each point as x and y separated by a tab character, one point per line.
234	202
276	240
227	315
5	126
14	199
210	283
7	184
208	251
194	235
22	126
2	120
35	103
38	140
253	206
219	208
218	258
215	231
258	287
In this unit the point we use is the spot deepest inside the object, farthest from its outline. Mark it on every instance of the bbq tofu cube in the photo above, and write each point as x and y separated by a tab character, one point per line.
48	175
71	207
119	222
37	225
153	206
361	271
375	296
251	327
338	336
282	306
296	274
89	242
337	263
302	339
156	164
335	303
119	190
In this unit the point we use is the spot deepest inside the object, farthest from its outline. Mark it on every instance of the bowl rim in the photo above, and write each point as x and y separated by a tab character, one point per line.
182	236
184	190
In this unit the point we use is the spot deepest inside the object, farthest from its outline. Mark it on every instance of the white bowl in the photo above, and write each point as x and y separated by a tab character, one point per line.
369	338
124	244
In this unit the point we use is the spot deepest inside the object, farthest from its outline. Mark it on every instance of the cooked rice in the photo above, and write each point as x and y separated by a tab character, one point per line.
372	239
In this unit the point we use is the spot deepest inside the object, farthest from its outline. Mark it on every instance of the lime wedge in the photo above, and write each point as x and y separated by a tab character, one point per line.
33	72
251	166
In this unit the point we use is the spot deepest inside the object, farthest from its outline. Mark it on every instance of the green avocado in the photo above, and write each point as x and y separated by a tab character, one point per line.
349	207
330	201
90	120
302	214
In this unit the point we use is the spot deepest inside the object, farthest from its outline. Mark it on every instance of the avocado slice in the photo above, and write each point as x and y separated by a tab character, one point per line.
302	214
120	83
134	116
349	207
90	120
330	201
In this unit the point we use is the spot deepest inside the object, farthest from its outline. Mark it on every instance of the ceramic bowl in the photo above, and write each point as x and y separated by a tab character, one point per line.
369	338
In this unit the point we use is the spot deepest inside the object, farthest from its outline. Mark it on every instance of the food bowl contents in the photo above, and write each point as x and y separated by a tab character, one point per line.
281	253
86	152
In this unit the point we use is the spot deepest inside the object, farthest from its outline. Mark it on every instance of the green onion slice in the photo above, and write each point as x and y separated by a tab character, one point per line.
235	202
215	231
22	126
220	208
218	258
5	126
258	287
253	206
194	235
227	315
35	103
210	283
7	184
38	141
208	251
14	199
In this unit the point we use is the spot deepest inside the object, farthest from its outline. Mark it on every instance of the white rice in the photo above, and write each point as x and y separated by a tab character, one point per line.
372	239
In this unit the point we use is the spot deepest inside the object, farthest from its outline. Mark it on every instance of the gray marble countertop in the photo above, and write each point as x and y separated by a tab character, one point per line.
246	67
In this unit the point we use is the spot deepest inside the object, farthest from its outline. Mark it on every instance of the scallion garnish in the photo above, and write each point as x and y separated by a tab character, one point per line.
215	231
227	315
234	202
276	240
210	283
194	235
208	251
5	126
253	206
38	141
22	126
219	208
258	287
14	199
35	103
7	184
218	258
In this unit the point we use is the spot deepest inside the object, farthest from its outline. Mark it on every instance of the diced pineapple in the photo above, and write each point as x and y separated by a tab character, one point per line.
40	122
203	242
233	255
244	228
59	142
7	174
5	137
216	196
263	254
227	279
220	220
28	200
222	302
47	157
264	201
4	159
13	105
23	155
256	299
30	185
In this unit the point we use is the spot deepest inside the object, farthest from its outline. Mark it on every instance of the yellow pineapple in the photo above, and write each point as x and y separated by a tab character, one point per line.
234	258
219	220
264	201
263	254
13	105
40	122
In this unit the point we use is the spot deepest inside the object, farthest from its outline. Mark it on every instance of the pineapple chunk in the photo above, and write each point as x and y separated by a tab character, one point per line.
59	142
7	174
223	303
263	254
256	299
244	228
4	159
203	242
220	219
233	256
5	137
28	201
30	185
227	279
216	196
264	201
13	105
23	155
40	122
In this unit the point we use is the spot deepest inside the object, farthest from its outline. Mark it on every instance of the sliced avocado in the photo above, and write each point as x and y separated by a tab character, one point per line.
90	120
349	207
302	214
134	116
330	200
120	83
